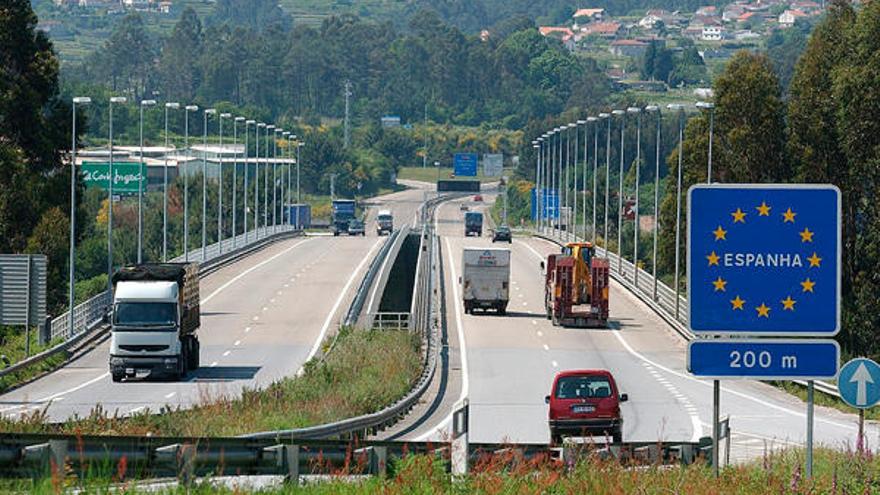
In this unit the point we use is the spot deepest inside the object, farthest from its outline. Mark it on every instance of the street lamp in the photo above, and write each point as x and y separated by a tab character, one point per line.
299	145
113	99
275	178
285	198
675	107
572	164
269	128
638	113
653	109
174	106
607	117
77	100
260	125
189	108
143	177
591	120
208	111
583	181
220	185
706	105
235	175
246	172
622	115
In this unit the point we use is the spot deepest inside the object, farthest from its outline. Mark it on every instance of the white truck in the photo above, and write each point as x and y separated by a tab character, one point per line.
154	321
384	222
485	279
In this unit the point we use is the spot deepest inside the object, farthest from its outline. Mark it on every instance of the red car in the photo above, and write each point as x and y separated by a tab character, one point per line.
478	198
585	403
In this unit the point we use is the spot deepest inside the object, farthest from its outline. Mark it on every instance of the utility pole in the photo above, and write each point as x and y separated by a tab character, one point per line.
332	187
347	136
425	155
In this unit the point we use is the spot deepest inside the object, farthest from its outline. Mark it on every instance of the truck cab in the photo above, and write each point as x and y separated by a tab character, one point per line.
473	223
384	222
342	211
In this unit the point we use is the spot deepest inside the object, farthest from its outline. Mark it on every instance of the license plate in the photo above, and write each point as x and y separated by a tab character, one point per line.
583	409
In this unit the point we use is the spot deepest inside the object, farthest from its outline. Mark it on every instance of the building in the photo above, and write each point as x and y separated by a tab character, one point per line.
589	15
391	121
603	29
555	31
712	33
708	11
628	48
652	17
789	17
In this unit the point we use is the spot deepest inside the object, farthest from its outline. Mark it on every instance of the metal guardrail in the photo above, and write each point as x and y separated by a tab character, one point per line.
661	298
88	315
38	456
357	305
425	320
389	321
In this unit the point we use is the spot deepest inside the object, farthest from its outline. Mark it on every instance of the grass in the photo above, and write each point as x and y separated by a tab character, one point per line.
366	371
834	473
12	347
429	174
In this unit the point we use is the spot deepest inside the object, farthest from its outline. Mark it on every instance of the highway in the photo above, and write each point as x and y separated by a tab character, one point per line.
263	317
505	366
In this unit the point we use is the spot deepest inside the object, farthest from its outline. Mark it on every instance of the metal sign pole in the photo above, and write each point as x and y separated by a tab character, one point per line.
810	389
27	311
860	443
716	412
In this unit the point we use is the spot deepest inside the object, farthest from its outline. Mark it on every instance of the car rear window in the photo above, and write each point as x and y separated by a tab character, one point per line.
583	387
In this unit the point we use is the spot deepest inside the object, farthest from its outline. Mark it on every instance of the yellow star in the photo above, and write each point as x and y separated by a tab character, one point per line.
763	210
713	259
720	284
738	303
808	285
720	234
814	260
788	303
739	216
788	216
763	310
807	236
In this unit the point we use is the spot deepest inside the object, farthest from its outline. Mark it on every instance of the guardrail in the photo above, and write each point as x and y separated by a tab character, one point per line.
660	297
357	305
88	315
38	456
425	320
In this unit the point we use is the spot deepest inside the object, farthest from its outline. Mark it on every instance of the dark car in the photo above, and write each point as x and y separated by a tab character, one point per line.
356	227
478	198
585	403
502	233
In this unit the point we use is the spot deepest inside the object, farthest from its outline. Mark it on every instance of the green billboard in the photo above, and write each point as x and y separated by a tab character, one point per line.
125	176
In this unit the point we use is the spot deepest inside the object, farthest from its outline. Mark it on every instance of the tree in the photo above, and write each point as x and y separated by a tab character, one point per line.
127	57
178	64
254	14
649	59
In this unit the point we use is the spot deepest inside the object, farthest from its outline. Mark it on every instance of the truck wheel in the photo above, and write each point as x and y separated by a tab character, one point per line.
617	436
335	234
555	438
192	361
502	310
117	377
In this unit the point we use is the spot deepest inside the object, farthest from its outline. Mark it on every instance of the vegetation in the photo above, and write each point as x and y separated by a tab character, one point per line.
366	371
834	473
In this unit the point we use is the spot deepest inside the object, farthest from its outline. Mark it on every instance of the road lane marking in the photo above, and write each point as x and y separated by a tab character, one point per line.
213	364
237	342
172	394
554	363
59	394
540	333
249	270
137	409
462	344
342	294
256	318
227	353
247	329
546	347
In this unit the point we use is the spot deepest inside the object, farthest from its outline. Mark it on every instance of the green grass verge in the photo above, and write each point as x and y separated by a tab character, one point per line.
834	473
12	347
366	371
429	174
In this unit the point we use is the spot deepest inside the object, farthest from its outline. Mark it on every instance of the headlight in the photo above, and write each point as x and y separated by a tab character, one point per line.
170	361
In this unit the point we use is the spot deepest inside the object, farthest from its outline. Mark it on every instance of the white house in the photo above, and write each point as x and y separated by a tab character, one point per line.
712	33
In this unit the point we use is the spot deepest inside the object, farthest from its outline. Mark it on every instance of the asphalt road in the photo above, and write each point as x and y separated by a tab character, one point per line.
505	365
263	317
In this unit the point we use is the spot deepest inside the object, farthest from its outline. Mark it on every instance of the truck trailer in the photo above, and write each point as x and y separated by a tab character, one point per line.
566	306
154	321
342	211
485	279
473	223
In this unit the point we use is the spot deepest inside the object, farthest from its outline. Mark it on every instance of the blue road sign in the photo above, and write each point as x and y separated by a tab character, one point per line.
859	383
551	203
764	359
764	259
465	164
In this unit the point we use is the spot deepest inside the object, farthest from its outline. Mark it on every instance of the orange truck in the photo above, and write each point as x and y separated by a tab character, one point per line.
576	287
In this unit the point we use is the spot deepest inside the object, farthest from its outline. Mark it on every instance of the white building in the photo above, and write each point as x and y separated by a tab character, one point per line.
712	33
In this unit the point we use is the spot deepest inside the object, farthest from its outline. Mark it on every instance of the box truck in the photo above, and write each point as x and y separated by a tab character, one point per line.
342	211
485	279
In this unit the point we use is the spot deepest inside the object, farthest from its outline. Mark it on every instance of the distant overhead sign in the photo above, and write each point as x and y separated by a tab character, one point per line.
764	259
764	359
465	164
859	383
493	164
126	176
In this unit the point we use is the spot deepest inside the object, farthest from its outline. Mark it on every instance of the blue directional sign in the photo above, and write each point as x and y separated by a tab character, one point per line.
764	359
550	203
465	164
859	383
764	259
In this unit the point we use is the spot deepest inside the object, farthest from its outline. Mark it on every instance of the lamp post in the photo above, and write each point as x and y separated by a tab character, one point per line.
299	145
285	198
269	128
208	111
583	185
622	115
607	117
706	105
235	122
558	184
545	175
680	109
571	231
246	172
653	109
220	185
275	178
189	108
260	125
77	100
174	106
142	176
539	192
113	99
638	113
593	121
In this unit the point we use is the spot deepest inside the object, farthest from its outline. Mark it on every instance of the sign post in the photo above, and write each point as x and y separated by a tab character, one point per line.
764	260
859	386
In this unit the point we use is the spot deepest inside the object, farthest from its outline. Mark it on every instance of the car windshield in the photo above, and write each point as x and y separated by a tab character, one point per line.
582	387
355	224
385	218
503	230
145	314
